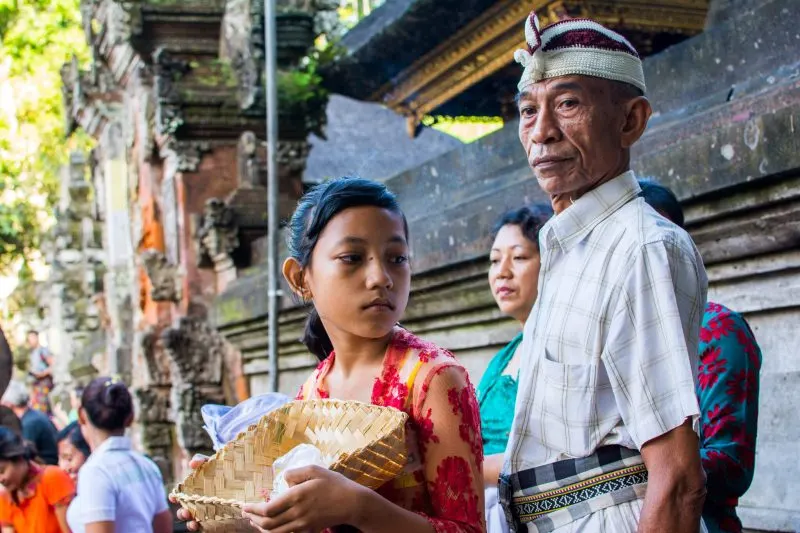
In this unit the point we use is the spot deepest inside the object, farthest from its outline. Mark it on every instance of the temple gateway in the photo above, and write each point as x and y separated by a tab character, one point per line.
159	267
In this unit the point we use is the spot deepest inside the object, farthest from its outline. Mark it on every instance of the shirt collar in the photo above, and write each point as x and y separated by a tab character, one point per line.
113	443
578	220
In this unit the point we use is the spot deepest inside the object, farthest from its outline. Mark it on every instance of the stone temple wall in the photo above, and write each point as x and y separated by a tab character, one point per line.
724	136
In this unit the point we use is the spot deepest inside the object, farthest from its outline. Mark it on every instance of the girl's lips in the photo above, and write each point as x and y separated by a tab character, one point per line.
504	292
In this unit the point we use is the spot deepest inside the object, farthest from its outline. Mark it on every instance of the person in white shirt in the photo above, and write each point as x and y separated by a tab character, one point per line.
604	437
119	490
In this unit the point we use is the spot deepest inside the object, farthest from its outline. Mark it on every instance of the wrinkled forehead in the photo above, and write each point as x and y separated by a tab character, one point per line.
587	87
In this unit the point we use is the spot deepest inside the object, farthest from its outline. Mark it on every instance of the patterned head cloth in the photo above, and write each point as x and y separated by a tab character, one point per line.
577	46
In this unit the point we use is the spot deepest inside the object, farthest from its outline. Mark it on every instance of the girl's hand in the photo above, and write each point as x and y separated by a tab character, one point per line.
318	499
184	514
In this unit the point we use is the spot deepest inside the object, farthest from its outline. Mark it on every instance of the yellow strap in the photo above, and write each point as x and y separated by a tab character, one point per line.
410	382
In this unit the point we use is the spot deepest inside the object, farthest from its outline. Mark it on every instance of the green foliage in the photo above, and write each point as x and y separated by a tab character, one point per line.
36	38
301	91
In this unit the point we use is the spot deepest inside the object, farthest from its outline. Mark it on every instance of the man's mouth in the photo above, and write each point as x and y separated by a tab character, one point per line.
545	161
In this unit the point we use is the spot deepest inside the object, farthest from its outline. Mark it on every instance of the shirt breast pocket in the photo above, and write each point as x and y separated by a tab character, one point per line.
569	406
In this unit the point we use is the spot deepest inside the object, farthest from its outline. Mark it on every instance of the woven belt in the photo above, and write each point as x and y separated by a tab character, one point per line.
552	496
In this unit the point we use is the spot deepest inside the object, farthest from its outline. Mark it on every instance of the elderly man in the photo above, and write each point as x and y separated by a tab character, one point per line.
605	431
36	426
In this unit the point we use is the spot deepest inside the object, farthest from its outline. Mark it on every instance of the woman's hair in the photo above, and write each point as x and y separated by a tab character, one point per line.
72	433
315	209
107	403
13	448
529	219
662	199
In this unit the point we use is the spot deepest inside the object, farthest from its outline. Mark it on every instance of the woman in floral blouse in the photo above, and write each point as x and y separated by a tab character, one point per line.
349	252
727	388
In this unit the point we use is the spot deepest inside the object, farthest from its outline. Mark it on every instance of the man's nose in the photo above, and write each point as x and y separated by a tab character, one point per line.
545	128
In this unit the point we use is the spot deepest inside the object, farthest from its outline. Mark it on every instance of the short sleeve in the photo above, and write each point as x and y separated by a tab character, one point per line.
158	488
5	509
651	352
57	487
97	496
452	450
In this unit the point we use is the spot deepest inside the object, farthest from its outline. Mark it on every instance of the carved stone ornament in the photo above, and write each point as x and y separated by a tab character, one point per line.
293	155
247	161
218	234
123	20
187	154
164	277
196	352
168	70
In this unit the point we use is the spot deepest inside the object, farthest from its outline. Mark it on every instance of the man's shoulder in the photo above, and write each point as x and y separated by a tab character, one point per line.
639	226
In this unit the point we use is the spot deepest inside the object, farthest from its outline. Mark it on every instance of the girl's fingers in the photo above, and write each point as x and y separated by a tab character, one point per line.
295	476
196	461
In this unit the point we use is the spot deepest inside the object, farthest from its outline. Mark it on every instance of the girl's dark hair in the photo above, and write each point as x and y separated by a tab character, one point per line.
14	448
107	403
73	434
314	211
662	199
529	219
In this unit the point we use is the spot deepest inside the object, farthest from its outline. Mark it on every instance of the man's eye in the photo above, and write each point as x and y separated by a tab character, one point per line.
527	111
569	103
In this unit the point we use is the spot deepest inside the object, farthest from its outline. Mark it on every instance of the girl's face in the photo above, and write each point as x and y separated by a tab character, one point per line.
12	473
359	276
514	272
70	458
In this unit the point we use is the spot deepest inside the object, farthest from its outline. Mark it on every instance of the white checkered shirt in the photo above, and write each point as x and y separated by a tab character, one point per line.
609	353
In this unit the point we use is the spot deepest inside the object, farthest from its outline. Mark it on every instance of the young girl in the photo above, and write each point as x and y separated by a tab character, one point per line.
349	258
73	450
118	488
35	497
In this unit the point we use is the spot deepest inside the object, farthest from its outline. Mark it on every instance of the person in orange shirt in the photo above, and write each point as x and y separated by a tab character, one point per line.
36	497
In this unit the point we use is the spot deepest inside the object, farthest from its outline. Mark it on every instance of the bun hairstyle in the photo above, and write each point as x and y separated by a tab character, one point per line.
13	448
314	211
73	434
529	219
108	404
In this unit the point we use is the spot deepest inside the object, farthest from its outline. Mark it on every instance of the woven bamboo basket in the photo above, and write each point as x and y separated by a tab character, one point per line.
364	442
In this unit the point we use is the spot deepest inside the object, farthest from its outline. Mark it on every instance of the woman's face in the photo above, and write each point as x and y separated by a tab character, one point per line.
70	458
12	473
359	276
514	272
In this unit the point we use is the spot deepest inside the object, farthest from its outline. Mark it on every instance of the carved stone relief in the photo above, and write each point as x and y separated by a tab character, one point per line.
217	235
164	276
196	352
168	70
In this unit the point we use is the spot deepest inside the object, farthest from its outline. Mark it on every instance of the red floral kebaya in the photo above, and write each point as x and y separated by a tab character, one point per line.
443	478
727	388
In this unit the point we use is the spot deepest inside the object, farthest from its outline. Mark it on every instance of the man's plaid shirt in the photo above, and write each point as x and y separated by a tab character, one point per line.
609	353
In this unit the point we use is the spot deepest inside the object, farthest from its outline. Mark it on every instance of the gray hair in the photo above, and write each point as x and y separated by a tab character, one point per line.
16	394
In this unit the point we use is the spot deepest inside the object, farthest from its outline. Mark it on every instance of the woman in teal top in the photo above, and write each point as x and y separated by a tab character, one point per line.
513	278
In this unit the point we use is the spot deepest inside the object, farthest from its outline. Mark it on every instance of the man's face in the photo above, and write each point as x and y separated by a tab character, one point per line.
33	340
571	129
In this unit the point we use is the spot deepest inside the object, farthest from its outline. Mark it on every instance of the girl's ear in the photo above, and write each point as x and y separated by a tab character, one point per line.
82	416
293	273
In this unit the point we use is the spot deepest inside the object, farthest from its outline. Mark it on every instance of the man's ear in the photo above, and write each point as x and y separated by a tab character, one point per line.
637	114
293	273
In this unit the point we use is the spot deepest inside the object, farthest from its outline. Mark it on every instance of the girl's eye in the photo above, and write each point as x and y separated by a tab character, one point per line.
350	258
400	259
520	258
494	261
